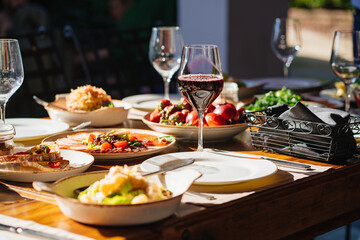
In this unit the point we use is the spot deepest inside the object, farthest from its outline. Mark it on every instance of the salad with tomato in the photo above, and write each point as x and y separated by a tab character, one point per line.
182	114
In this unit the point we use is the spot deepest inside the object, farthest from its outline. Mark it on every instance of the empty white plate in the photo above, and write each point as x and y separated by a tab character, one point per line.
216	169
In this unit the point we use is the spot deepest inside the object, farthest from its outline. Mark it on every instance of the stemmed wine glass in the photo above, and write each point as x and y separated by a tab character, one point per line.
165	48
286	40
11	71
345	59
200	79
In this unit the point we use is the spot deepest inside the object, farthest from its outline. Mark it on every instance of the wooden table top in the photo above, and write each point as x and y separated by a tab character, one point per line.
300	209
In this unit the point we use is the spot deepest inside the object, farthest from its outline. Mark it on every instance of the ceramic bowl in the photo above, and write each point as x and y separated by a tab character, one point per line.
102	117
190	133
177	182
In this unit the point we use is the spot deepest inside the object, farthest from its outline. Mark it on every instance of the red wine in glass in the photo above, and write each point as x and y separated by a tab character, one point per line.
200	89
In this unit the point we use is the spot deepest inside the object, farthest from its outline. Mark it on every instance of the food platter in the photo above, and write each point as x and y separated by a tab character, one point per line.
122	155
35	128
79	162
190	133
216	169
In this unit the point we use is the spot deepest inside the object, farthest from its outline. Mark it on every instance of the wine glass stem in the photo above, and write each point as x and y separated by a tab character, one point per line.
286	70
167	86
2	116
200	130
347	97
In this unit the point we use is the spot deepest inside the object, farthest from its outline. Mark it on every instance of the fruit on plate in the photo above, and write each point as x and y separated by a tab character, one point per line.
182	114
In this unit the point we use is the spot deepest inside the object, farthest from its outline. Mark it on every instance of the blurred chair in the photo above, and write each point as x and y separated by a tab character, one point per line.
116	60
44	74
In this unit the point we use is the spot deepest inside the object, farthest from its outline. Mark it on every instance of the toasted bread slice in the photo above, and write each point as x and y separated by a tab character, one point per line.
47	151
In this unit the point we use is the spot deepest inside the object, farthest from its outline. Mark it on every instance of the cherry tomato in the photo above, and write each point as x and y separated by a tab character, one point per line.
164	103
185	104
155	116
192	118
214	119
132	137
177	117
211	108
170	110
54	164
185	112
105	145
227	111
91	138
120	144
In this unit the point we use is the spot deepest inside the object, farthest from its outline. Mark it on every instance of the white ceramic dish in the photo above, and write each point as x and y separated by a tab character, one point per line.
296	84
190	133
102	117
331	93
148	102
35	128
79	162
114	215
216	169
117	156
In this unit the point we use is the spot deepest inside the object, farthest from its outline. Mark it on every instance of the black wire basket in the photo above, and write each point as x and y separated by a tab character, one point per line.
311	140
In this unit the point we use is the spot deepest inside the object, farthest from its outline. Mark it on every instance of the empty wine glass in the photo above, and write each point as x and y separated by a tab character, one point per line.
345	59
286	40
165	48
11	71
200	79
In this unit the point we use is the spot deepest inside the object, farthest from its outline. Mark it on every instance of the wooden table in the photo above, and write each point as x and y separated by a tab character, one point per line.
301	209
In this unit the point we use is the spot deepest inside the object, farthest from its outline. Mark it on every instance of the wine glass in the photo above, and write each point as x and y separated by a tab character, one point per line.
200	79
165	48
11	71
286	40
345	59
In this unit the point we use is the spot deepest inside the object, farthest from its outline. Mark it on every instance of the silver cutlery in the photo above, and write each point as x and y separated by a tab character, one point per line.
81	125
208	197
30	232
45	103
250	156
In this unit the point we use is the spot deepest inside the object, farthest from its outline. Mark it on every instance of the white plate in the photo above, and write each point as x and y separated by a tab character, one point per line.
117	156
35	128
190	133
79	162
297	84
148	102
332	94
216	169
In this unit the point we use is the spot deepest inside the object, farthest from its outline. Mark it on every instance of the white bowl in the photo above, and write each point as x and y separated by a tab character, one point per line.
102	117
177	182
190	133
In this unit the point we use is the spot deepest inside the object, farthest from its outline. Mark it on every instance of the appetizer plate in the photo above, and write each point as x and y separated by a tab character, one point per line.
296	84
148	102
114	215
79	162
190	133
35	128
216	169
102	117
116	156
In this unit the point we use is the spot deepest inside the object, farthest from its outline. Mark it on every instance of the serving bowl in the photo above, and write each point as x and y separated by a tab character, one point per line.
190	133
103	117
177	182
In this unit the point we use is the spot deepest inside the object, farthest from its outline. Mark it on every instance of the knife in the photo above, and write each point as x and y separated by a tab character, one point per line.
250	156
45	103
29	232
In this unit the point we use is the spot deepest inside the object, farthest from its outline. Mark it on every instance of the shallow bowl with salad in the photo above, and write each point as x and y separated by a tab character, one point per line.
221	122
113	213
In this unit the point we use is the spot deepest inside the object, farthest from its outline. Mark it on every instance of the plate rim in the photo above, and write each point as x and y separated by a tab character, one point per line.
269	163
110	156
33	137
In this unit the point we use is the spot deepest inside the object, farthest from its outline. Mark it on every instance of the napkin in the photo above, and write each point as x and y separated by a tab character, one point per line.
15	222
228	193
